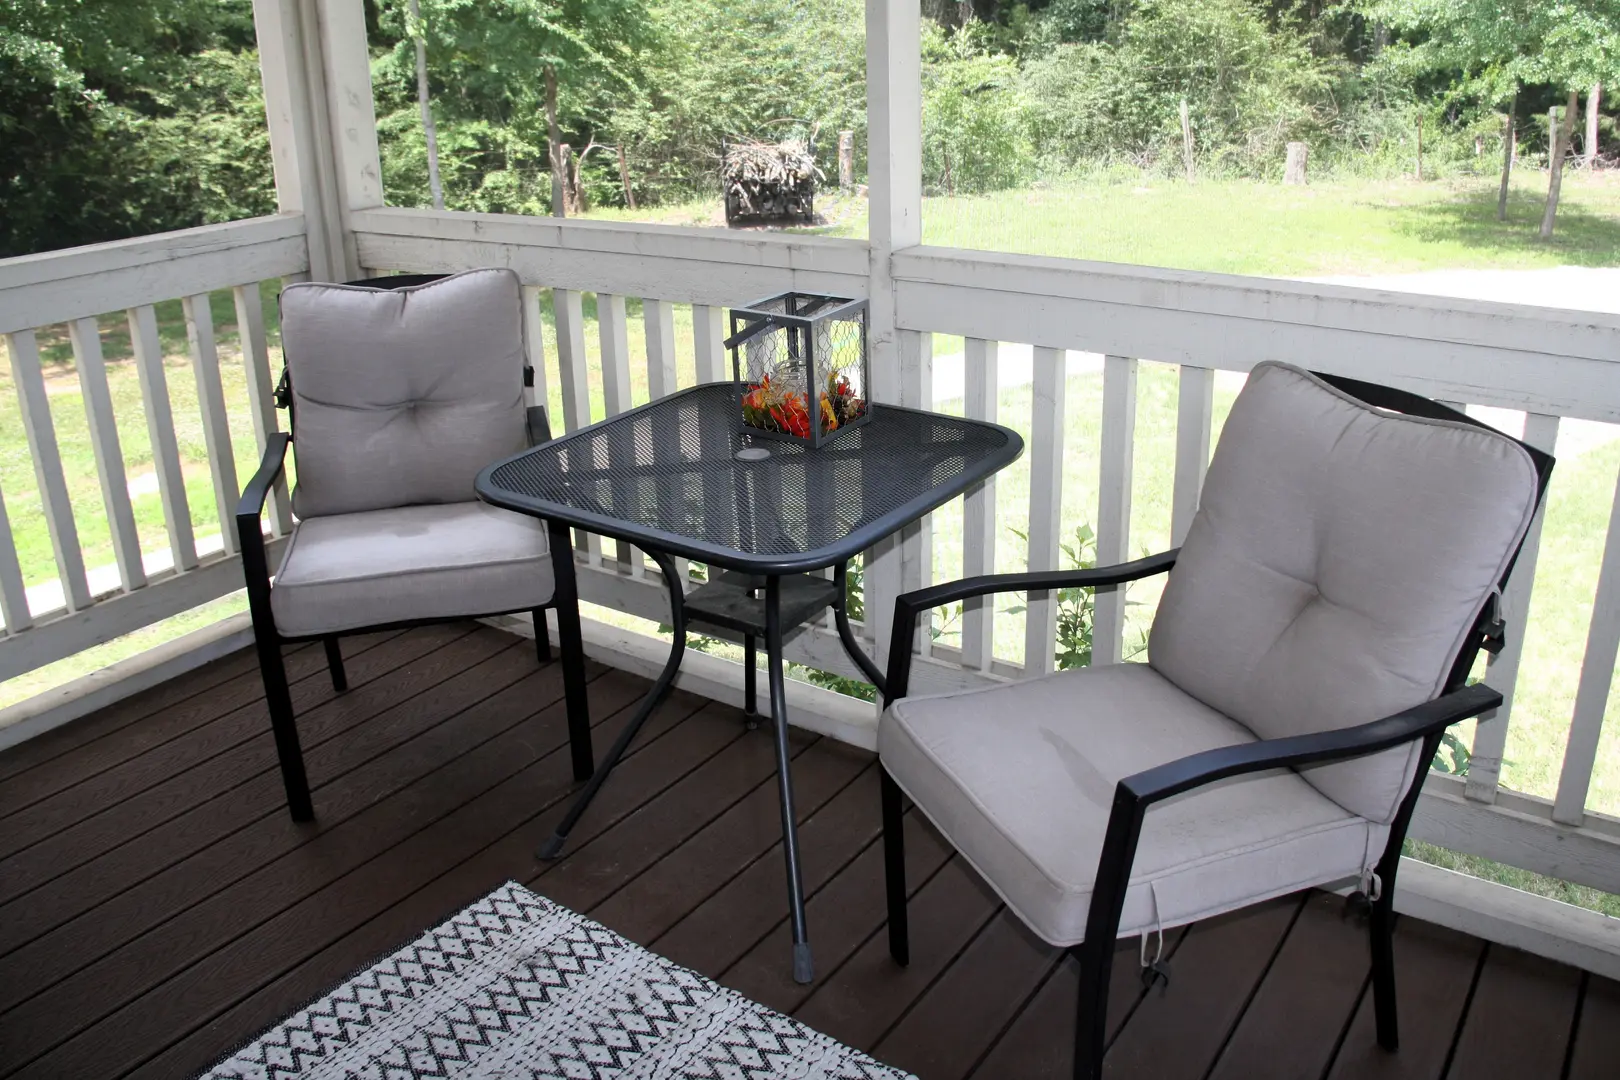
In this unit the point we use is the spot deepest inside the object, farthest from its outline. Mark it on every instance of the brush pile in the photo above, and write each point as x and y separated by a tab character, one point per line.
769	181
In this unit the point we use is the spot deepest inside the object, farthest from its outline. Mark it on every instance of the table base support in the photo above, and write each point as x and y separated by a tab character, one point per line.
552	847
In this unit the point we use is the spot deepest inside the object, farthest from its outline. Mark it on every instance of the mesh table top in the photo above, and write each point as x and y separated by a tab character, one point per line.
666	476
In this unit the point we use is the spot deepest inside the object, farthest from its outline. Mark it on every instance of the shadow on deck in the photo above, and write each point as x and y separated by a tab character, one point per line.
158	908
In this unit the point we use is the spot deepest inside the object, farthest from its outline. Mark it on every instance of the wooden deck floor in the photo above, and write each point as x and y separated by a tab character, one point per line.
157	907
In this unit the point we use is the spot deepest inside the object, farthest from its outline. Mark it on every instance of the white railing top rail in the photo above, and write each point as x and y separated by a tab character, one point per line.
689	265
59	286
1565	363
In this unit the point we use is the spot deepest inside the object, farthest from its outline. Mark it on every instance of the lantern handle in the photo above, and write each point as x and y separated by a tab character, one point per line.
748	333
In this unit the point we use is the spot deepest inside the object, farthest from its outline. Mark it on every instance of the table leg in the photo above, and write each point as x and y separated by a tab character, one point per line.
553	845
846	633
803	966
565	595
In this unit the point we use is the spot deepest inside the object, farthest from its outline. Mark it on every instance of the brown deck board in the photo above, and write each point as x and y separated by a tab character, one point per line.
860	1001
1517	994
1178	1030
662	823
1040	1042
1306	1001
53	744
105	766
958	1018
1596	1053
159	785
840	917
239	854
184	912
447	799
1434	973
827	785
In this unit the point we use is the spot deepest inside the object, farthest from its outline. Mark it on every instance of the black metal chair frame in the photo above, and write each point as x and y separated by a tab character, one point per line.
268	640
1136	794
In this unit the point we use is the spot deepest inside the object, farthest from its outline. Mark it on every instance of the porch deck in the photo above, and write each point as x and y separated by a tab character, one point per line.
157	907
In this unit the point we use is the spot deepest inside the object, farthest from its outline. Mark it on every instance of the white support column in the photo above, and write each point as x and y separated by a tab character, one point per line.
351	115
300	145
894	177
894	167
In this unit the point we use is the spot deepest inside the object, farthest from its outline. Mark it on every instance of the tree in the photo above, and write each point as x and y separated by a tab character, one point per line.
510	76
1498	47
120	118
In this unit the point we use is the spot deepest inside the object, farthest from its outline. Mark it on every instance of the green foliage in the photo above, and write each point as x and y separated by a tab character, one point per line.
1496	46
487	63
1453	757
120	118
1251	84
1075	606
974	126
714	70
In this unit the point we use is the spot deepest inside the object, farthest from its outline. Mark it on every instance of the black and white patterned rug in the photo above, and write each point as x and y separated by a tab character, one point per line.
516	986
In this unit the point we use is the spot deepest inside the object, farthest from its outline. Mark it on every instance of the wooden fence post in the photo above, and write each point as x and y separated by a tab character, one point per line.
1294	171
624	178
846	159
1186	140
1593	103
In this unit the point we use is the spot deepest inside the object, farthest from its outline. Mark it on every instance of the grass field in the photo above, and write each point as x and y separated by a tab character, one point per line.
1244	228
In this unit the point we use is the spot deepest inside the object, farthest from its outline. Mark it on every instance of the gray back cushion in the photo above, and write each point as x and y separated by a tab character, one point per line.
1338	559
402	395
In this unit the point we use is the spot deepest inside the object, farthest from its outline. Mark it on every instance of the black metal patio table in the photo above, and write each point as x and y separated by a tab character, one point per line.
679	478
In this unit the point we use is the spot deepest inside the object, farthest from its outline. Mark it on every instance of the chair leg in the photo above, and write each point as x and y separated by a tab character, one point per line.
1381	926
1091	1022
542	636
894	871
334	664
278	697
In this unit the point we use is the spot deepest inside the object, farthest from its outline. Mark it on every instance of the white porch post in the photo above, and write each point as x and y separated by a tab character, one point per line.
894	175
300	150
352	115
316	71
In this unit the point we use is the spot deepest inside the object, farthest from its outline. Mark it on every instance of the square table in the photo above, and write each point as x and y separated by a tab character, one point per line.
680	478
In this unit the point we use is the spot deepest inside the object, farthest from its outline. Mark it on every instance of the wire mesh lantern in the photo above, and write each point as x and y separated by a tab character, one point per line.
800	365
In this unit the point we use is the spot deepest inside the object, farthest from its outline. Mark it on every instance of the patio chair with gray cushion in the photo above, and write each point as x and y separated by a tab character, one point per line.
1313	643
401	390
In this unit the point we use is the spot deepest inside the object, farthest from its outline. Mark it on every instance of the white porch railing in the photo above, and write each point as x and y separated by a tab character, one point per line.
1550	364
1010	311
92	605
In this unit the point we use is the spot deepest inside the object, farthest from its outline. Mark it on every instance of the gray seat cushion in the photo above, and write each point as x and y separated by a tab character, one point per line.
1338	559
376	567
1020	779
401	396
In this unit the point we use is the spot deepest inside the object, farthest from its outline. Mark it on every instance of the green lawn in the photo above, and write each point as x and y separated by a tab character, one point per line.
1245	228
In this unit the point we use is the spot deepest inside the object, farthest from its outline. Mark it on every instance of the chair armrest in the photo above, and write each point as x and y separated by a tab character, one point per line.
250	536
1135	794
909	606
1196	770
258	488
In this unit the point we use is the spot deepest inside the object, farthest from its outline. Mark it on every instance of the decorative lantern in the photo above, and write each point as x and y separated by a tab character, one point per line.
800	364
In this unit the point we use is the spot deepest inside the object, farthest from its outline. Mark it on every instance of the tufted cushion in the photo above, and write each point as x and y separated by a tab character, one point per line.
401	396
1338	559
1021	780
377	567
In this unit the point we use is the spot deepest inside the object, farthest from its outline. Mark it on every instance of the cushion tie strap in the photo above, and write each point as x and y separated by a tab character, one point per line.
1156	970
